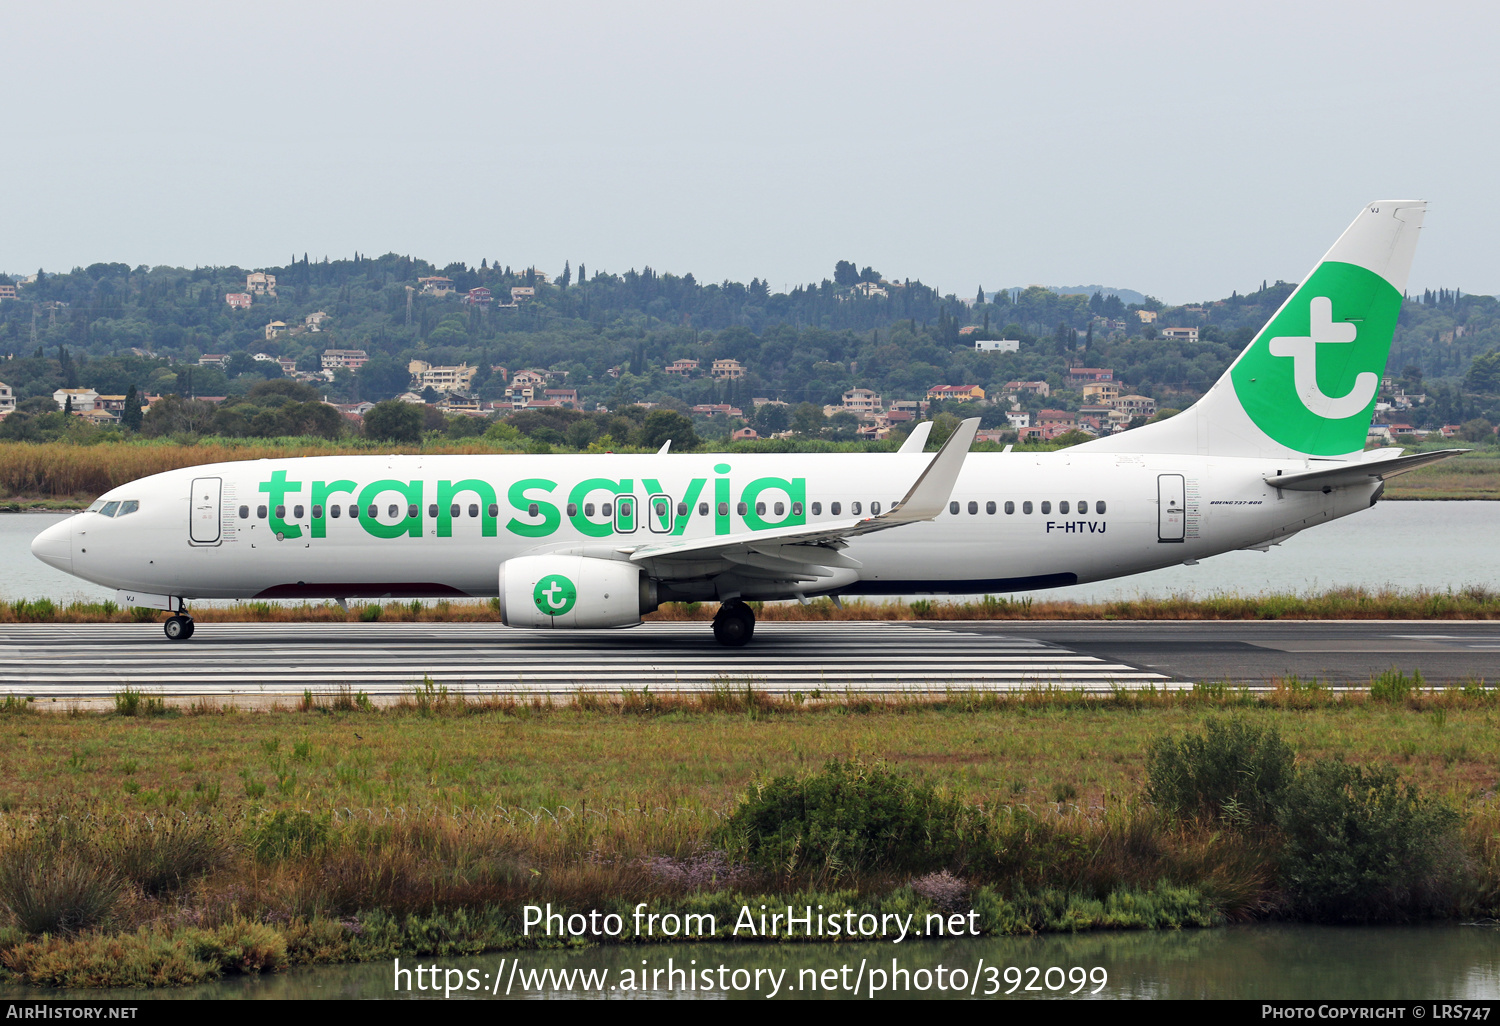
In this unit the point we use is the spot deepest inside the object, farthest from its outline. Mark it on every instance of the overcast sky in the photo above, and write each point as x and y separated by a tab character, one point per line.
1180	149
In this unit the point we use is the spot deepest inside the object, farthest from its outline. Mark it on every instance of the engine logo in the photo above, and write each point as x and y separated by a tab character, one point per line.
555	595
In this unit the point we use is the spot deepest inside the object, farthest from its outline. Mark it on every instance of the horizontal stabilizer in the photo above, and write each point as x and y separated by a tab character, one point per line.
1375	465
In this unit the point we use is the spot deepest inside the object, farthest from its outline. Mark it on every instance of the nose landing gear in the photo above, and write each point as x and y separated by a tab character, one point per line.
179	627
734	624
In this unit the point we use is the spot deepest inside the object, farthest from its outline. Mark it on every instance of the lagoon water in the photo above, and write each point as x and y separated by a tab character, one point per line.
1407	545
1261	962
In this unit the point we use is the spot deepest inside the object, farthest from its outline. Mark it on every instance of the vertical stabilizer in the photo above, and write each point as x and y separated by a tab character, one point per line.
1307	385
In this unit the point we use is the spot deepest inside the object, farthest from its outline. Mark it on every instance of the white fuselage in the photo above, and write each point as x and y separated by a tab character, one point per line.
213	531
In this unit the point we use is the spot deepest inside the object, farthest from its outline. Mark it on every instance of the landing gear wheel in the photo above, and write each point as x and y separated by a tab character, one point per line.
178	627
734	625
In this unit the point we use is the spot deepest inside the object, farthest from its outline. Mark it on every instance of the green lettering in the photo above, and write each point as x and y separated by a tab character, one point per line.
320	493
518	498
276	490
796	491
581	492
411	491
447	491
695	489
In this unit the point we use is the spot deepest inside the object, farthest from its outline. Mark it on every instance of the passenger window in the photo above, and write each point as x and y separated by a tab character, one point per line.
1062	507
572	509
374	511
741	508
953	508
280	512
723	509
354	511
432	510
796	509
588	509
317	512
817	509
625	508
760	509
1083	506
989	507
244	512
854	508
1026	507
1046	506
1099	506
453	511
412	511
703	509
532	510
335	511
110	508
1010	508
875	509
473	510
682	509
297	512
608	509
393	511
834	508
494	509
260	512
661	509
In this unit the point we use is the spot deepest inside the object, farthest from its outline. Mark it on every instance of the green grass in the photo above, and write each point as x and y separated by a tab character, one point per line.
354	833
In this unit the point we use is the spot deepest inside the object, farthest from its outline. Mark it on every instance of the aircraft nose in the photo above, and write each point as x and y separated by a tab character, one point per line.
54	546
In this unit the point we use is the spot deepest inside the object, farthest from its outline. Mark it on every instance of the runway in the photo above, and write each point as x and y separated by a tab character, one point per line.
80	661
76	661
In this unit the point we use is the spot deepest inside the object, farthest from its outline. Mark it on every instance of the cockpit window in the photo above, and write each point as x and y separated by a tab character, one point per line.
96	507
127	507
110	508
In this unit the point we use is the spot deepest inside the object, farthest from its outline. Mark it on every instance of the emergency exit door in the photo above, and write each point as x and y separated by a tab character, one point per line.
1171	511
204	502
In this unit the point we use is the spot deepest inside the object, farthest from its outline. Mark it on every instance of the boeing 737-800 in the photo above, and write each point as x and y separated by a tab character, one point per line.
1276	446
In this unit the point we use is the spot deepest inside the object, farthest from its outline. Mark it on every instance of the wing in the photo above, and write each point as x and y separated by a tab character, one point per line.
808	552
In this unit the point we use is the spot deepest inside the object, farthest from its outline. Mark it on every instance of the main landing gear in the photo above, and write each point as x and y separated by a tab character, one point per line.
734	624
179	627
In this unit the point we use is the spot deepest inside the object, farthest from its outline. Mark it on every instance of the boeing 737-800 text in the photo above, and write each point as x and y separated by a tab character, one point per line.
590	541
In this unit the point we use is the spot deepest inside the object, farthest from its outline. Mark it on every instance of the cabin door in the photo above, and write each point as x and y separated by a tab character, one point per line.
204	528
1171	511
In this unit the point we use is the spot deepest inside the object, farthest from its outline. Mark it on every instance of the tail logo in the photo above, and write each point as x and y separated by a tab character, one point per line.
1303	351
554	595
1310	378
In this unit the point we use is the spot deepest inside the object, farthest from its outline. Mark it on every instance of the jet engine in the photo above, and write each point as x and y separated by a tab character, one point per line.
573	592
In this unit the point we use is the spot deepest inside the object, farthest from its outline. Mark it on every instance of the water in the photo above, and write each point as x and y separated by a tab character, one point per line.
1402	544
1264	962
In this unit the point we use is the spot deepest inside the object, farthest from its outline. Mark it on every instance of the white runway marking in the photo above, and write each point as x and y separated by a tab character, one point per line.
86	660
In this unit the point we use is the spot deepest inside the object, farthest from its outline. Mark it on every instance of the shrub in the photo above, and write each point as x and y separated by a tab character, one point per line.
1395	687
1360	845
290	835
853	816
1234	771
48	888
170	856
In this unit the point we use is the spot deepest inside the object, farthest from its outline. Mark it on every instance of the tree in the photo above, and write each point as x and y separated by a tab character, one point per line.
979	299
130	416
808	419
567	275
662	425
380	378
394	421
845	274
771	418
1477	430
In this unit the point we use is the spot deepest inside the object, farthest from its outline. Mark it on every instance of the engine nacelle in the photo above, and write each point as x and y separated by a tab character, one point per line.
573	592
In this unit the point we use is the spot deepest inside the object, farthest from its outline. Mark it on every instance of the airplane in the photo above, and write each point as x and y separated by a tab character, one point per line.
1276	446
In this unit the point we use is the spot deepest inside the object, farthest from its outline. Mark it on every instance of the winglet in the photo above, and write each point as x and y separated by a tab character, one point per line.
917	440
665	446
929	495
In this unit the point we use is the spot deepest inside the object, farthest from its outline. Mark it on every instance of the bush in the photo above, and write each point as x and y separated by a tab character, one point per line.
48	888
1395	687
164	859
1234	771
851	816
290	835
1360	845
